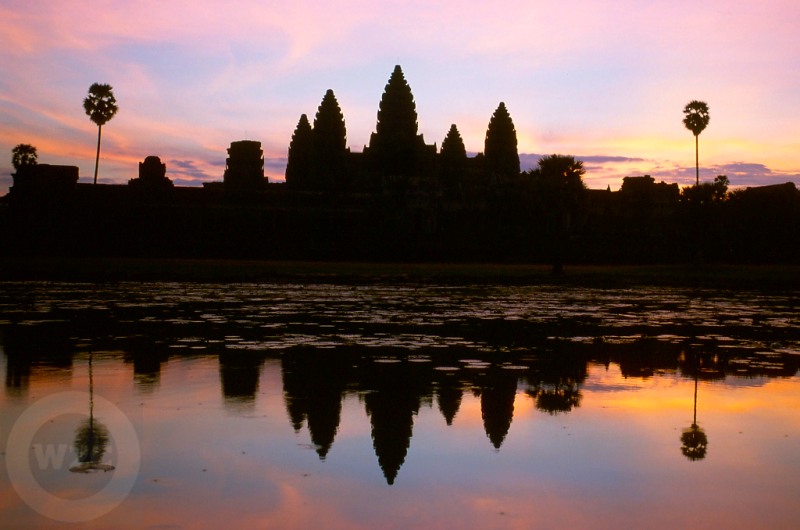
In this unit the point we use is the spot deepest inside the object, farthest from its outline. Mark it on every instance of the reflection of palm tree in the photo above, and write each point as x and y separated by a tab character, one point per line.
694	441
91	438
554	398
555	382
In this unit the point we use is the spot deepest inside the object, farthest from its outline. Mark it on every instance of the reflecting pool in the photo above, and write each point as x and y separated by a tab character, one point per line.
172	405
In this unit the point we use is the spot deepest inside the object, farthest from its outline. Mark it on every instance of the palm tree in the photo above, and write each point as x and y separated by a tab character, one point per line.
100	105
23	155
696	119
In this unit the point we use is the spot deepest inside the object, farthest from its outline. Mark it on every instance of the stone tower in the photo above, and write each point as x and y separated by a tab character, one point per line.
244	168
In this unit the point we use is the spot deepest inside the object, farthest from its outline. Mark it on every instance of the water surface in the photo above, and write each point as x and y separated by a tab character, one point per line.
403	405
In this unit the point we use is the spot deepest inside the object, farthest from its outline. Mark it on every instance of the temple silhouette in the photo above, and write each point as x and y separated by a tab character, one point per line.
400	198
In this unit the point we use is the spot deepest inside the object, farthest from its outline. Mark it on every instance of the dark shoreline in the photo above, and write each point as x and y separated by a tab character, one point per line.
736	277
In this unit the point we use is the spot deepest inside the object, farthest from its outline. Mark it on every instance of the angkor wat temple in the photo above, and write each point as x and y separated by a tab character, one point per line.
399	199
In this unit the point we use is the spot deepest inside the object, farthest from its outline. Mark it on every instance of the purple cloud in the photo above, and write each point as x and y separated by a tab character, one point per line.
187	172
530	160
740	174
275	168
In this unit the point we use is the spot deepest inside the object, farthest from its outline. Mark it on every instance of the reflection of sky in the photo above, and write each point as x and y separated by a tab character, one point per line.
578	77
613	462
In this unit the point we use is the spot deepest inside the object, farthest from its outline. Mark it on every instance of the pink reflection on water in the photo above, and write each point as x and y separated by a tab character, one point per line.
613	461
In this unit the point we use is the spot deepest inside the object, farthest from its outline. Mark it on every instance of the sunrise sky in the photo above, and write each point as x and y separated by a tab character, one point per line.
603	81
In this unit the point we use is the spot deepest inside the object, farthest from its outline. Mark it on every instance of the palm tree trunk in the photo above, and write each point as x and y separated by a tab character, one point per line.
97	158
696	158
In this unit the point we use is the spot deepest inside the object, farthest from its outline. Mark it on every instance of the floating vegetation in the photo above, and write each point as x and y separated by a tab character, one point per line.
425	321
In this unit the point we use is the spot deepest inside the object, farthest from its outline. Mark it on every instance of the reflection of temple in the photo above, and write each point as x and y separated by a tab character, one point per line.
314	384
147	364
449	391
239	373
498	390
29	353
393	399
393	390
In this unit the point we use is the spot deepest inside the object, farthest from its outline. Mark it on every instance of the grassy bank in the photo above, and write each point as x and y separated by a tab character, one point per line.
121	269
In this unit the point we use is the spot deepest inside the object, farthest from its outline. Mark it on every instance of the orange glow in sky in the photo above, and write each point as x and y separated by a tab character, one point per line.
605	83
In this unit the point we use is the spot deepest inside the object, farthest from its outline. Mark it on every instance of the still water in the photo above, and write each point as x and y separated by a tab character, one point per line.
397	406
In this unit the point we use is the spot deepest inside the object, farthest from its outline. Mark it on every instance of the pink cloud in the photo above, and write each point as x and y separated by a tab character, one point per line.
578	77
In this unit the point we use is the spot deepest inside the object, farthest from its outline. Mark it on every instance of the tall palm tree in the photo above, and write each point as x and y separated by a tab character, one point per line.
696	119
100	105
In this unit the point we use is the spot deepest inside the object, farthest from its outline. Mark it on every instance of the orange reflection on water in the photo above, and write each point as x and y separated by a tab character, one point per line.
211	460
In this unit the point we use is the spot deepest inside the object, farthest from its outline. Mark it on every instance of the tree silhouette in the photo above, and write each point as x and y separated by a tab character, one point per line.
100	105
329	138
300	158
23	155
696	120
394	143
500	147
707	192
703	205
558	186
